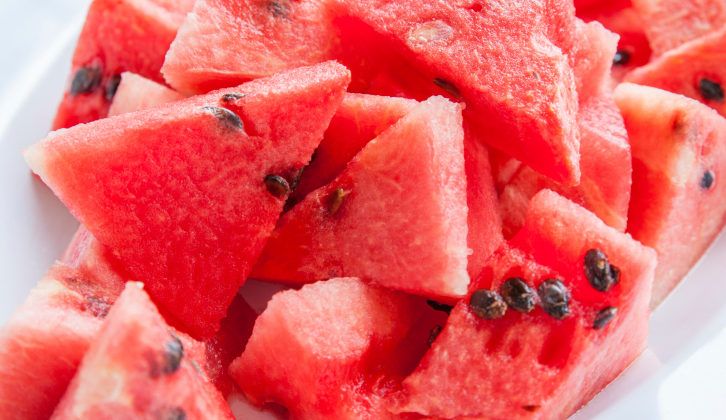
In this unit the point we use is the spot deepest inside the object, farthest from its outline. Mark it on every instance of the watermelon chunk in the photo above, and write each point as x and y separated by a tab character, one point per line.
395	216
671	23
679	195
118	36
186	195
137	368
593	60
694	69
136	92
525	365
333	349
606	164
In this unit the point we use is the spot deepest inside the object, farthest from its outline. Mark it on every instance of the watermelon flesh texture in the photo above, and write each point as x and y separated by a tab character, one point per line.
137	368
396	216
593	60
136	92
679	197
605	187
687	68
531	365
671	23
178	193
334	349
118	36
443	55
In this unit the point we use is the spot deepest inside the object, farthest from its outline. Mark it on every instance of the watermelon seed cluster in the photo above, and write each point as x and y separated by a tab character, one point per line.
277	185
487	304
710	90
518	295
604	317
599	272
555	298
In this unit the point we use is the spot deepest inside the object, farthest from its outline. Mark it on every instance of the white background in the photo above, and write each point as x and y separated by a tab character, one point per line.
682	375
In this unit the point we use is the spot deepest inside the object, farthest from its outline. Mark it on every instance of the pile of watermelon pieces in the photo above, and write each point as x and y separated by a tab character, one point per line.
471	207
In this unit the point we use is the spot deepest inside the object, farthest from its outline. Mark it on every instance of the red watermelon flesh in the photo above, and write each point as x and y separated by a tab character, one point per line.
532	365
671	23
118	36
185	195
359	119
695	69
137	368
396	216
136	92
334	349
679	195
606	171
592	61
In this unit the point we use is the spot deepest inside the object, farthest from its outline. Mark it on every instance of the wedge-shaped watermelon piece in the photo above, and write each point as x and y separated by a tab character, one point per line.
137	368
118	36
494	361
186	195
606	181
679	195
672	23
136	92
695	69
396	216
593	60
334	349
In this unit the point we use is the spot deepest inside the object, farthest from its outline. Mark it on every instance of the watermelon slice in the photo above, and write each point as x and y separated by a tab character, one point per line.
334	349
395	216
695	69
186	195
118	36
606	171
679	195
593	60
136	92
137	368
525	361
671	23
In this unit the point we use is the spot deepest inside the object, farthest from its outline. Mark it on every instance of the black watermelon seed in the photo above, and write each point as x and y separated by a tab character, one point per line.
555	298
448	87
228	118
279	8
277	185
603	318
435	331
599	272
231	97
112	86
518	295
442	307
622	58
707	180
336	200
86	80
531	408
710	90
487	304
175	413
173	354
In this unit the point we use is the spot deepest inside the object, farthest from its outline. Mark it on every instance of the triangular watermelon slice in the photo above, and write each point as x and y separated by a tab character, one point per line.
137	368
136	92
185	195
396	216
679	168
494	361
334	349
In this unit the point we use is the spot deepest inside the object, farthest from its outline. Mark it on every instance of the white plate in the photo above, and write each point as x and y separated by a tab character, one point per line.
682	374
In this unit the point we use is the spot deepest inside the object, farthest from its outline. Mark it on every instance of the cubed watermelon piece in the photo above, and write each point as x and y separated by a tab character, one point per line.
334	349
136	367
606	171
185	195
695	69
519	364
679	196
592	61
671	23
396	216
118	36
43	343
136	92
